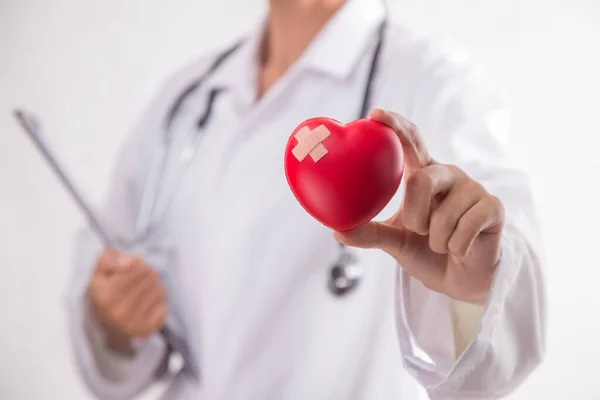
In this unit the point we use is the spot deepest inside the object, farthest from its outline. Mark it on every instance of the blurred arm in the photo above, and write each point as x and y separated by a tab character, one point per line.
107	374
457	350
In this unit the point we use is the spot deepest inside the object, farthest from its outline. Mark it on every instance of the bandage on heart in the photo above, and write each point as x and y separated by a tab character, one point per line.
310	142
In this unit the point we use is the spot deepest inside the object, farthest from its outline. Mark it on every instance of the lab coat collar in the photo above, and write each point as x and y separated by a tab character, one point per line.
335	50
342	42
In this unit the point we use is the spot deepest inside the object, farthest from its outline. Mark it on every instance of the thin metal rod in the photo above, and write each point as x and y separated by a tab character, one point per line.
32	128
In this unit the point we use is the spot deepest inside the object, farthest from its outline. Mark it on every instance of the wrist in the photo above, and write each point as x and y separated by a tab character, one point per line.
117	341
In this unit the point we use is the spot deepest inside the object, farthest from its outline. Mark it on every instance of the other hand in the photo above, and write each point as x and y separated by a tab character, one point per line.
127	298
447	232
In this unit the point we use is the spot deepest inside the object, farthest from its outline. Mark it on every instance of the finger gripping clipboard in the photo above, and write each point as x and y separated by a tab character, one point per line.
32	127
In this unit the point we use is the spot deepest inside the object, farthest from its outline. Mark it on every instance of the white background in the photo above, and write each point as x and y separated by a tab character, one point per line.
87	68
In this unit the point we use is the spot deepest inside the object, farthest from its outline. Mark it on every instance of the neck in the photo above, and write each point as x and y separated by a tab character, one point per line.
292	25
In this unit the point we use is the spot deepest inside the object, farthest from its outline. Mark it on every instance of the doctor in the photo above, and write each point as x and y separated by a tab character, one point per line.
262	301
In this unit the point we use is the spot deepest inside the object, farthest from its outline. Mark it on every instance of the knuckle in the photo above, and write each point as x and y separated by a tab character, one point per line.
455	245
474	186
419	180
105	259
454	169
466	230
134	264
437	244
441	222
101	265
466	225
102	258
411	128
498	206
457	171
139	262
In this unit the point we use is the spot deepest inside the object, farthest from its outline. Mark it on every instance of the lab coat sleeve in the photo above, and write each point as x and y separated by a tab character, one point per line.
106	374
464	122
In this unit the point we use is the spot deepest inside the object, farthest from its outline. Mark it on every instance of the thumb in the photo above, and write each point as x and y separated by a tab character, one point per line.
409	249
375	235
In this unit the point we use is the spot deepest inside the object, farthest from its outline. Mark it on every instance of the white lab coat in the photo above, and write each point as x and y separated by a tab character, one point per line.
248	267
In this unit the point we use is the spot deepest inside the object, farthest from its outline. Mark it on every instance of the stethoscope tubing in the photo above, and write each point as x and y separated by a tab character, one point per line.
145	220
148	218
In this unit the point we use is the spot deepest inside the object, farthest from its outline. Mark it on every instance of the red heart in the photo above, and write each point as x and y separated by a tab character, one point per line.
356	178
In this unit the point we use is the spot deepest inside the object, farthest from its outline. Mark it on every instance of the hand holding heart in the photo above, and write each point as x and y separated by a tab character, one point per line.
448	229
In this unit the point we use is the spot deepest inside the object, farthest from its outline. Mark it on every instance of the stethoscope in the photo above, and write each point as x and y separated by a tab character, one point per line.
345	274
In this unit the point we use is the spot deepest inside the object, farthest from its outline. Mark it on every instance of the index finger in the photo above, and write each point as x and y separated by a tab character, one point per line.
415	152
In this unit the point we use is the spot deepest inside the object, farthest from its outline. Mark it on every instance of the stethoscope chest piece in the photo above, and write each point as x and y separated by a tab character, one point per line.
345	276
